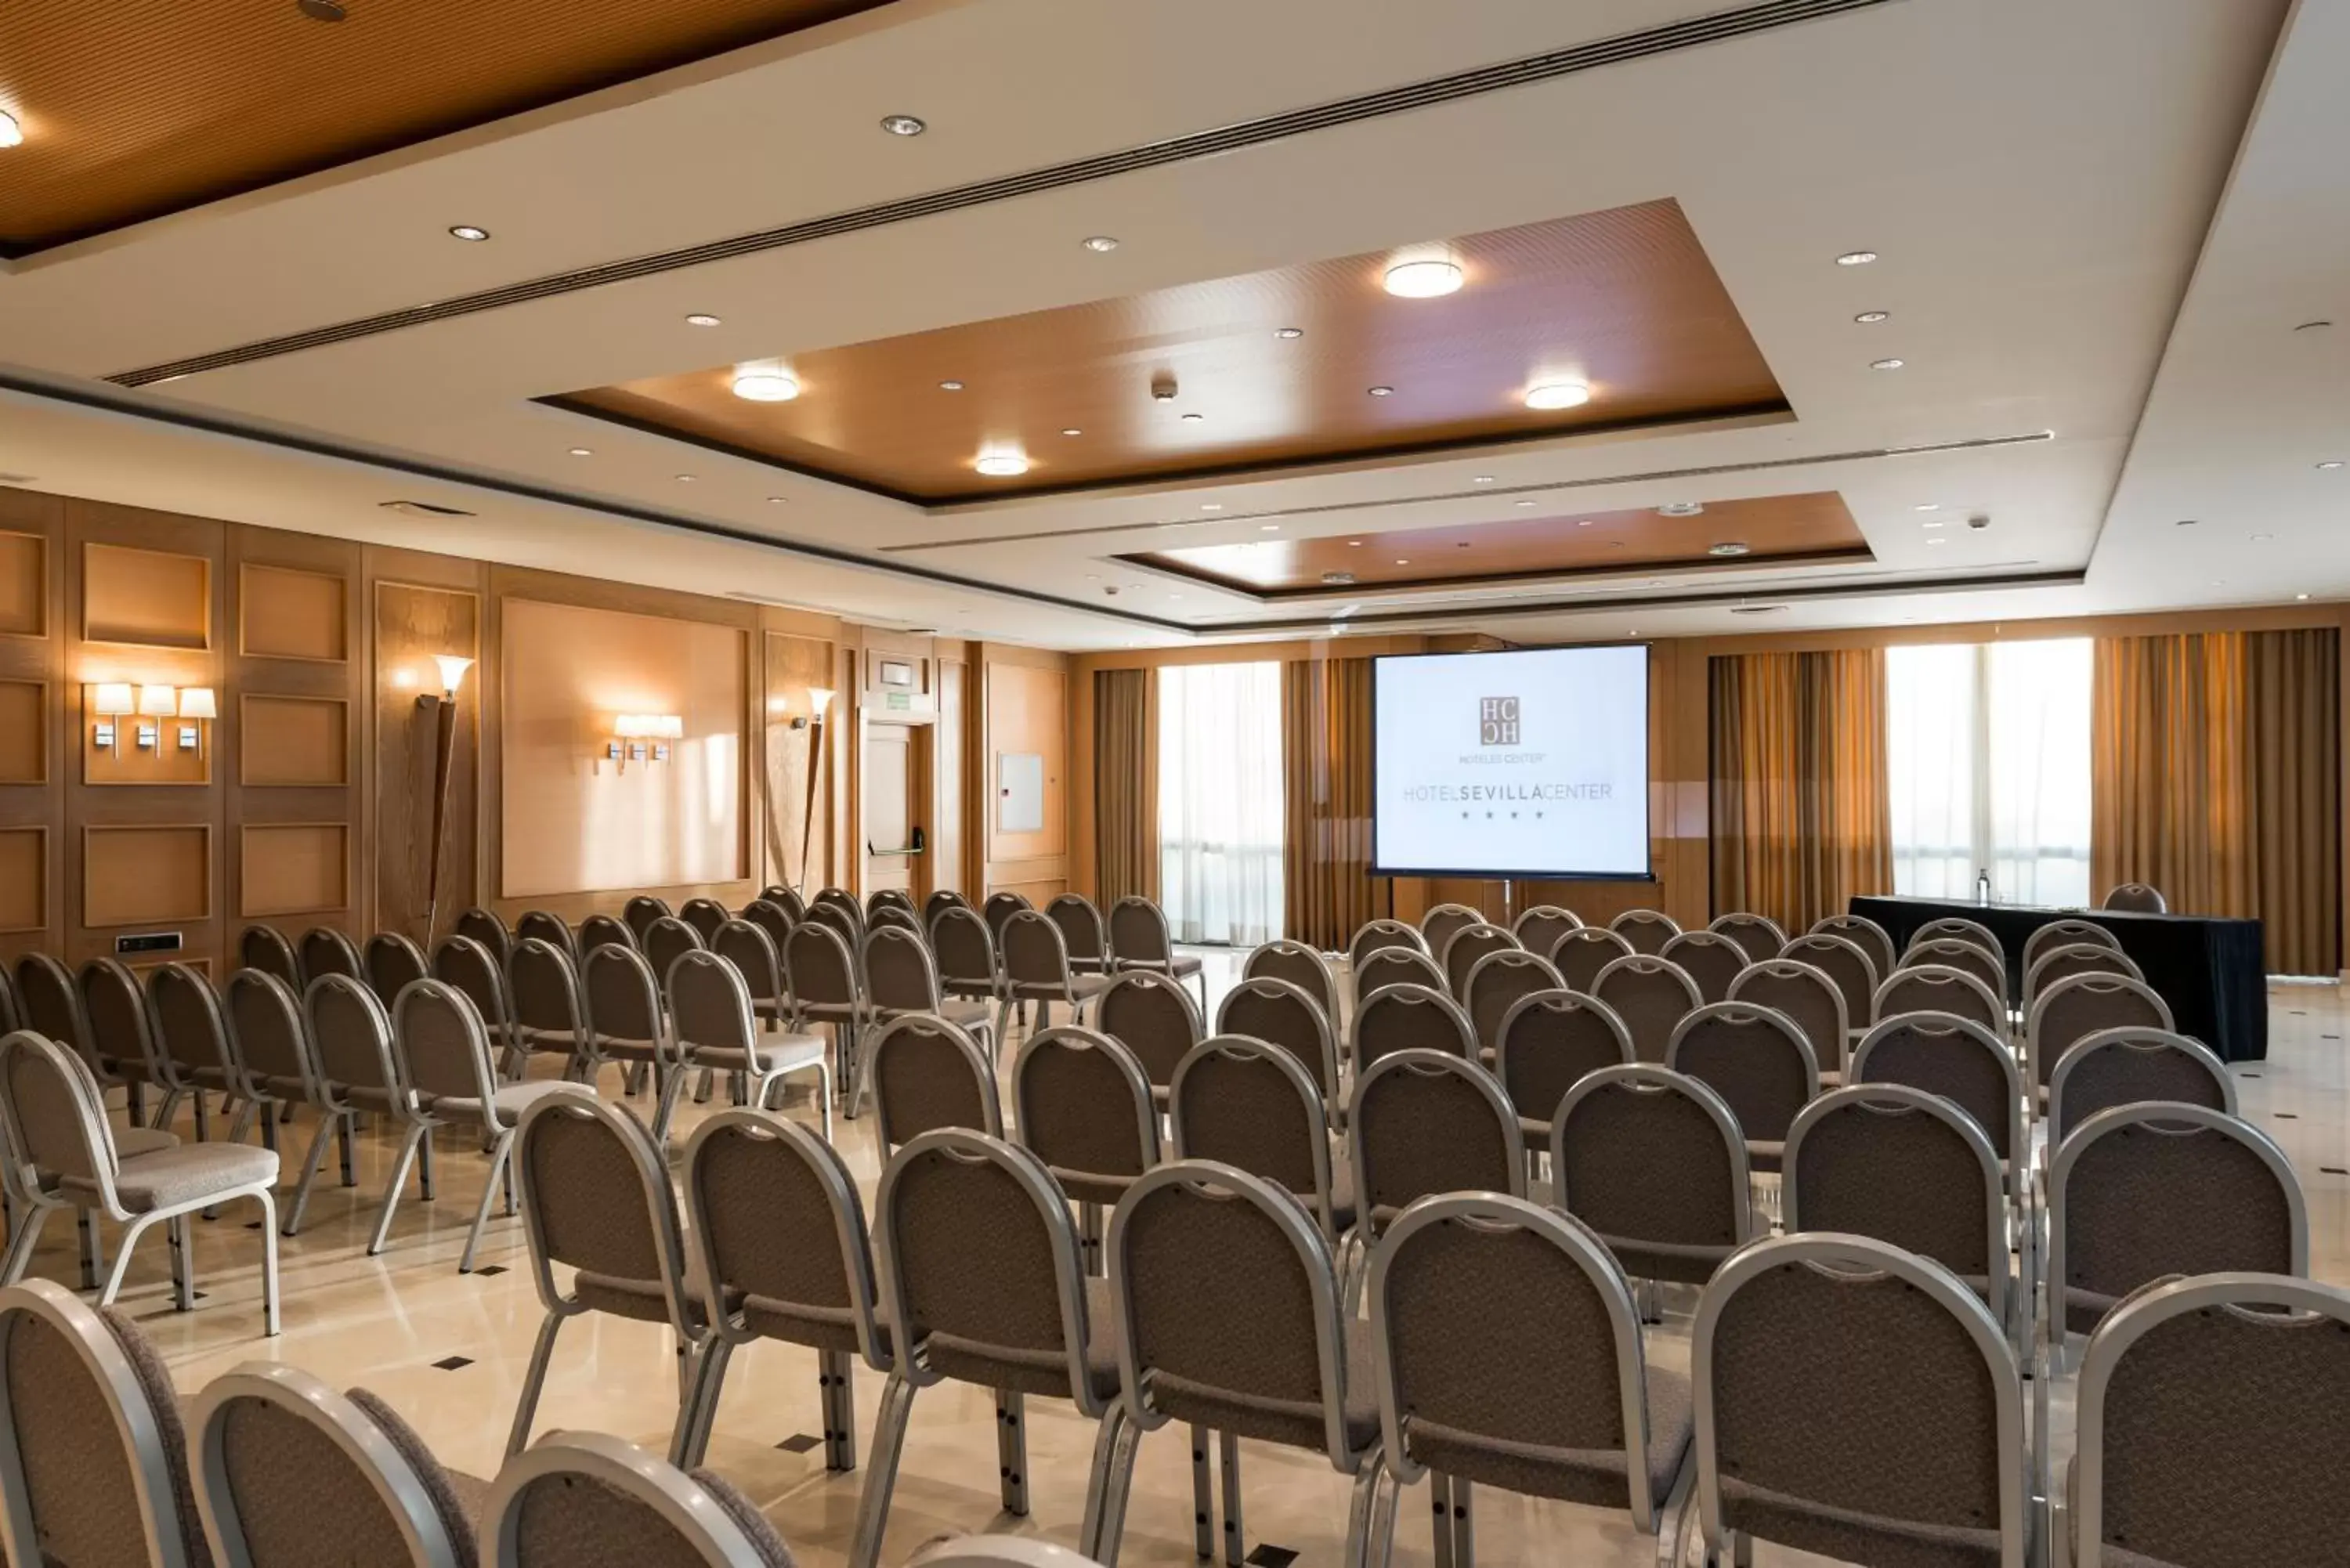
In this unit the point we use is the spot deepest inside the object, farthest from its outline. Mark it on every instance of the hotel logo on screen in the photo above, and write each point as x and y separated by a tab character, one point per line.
1497	722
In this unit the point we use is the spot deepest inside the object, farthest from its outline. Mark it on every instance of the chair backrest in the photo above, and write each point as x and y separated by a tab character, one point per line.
899	976
887	897
845	919
641	911
350	1028
1864	933
1958	928
595	1196
1137	932
1653	1160
623	998
1807	996
1548	1041
927	1074
93	1461
666	938
1580	954
1507	1350
709	1005
543	984
1538	928
1441	923
773	1214
190	1029
289	1473
265	948
1153	1016
820	967
50	1002
1228	1308
1903	1166
1651	996
2142	1191
1081	1102
474	969
1082	930
1912	1429
788	900
705	916
1252	1106
2071	1010
941	899
116	1011
55	1117
1395	966
440	1047
1757	935
2203	1407
1709	958
1382	935
753	952
596	931
2067	934
771	918
963	946
326	951
896	917
844	900
1646	929
1955	1058
1407	1018
1844	962
1754	1058
1465	948
2130	1066
583	1500
1285	1015
1499	981
998	908
392	961
2136	898
1034	952
1425	1122
1958	953
979	1268
272	1039
12	1009
2064	961
1298	963
485	927
1938	988
549	928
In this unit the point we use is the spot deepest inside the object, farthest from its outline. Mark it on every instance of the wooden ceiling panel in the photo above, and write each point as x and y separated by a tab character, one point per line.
1774	528
133	111
1624	301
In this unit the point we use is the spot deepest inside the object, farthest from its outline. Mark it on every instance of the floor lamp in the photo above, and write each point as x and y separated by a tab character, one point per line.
819	703
444	744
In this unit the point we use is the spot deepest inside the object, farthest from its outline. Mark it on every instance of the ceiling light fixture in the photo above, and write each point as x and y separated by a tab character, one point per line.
685	479
1856	259
1423	279
778	501
1938	540
1727	547
1101	244
902	125
11	133
1002	465
1211	506
1403	560
701	318
1887	364
1871	318
583	451
1268	527
1482	479
1933	523
2330	464
766	384
1354	544
1072	430
1583	522
470	232
1524	504
1927	506
1682	509
950	386
1381	391
1289	334
2301	595
1558	395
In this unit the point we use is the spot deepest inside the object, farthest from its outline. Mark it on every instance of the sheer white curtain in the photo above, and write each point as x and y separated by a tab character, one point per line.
1988	763
1219	802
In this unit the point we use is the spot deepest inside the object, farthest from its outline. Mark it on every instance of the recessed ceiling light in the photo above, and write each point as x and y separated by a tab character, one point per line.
1938	540
1193	419
1727	547
1211	506
685	479
1381	391
950	386
1583	522
470	232
701	318
1856	259
1072	430
2262	538
1289	334
777	501
1403	560
11	133
1354	544
583	451
1927	506
1680	509
1523	503
2301	595
1871	318
1558	395
1268	527
1887	364
2330	464
1001	464
1422	279
766	384
902	125
1933	523
1174	595
1101	243
1482	479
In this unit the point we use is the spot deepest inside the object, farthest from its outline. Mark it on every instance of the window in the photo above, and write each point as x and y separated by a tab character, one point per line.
1219	802
1988	755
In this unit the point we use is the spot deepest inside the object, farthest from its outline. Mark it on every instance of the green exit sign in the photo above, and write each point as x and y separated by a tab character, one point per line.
897	701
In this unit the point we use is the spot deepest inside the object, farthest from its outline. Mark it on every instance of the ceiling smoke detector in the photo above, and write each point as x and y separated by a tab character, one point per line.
1682	509
1727	547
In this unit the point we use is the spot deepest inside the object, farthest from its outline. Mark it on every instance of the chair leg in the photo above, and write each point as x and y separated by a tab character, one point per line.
673	1084
23	1232
310	1162
1089	1236
243	1119
824	1097
1012	1449
203	1117
1229	1462
392	1189
424	1166
533	1381
271	1301
499	1155
1463	1522
881	1472
839	1403
165	1110
1107	1487
345	1127
1203	1498
183	1269
1371	1514
131	1235
704	1086
698	1411
93	1248
1439	1509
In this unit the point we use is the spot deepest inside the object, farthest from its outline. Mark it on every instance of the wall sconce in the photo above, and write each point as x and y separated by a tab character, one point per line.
638	737
195	703
819	703
452	673
155	703
111	701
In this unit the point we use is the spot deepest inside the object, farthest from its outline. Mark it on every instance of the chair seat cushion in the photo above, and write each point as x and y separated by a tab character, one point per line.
769	1054
798	1323
171	1177
510	1101
967	1014
1849	1536
1297	1423
1081	986
1592	1476
1042	1372
643	1299
133	1141
617	1048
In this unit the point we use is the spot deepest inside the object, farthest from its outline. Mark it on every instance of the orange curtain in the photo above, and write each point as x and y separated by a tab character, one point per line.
1125	785
1801	821
2216	769
1327	890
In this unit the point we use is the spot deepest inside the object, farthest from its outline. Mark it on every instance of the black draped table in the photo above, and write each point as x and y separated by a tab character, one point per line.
2212	972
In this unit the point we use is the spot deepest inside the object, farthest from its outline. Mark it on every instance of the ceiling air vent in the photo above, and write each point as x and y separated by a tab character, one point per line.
423	509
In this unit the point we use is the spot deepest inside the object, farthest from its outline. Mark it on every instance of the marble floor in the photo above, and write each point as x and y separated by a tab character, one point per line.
449	1351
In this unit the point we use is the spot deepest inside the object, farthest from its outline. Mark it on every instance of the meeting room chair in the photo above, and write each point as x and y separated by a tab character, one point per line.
896	917
624	1022
2066	933
1407	1018
601	930
1546	1043
122	1044
705	916
1152	1015
2071	1010
641	911
1081	1102
265	948
964	949
1958	928
752	950
1000	907
828	989
1938	988
787	899
1496	983
584	1500
2136	898
1083	932
1646	929
714	1029
941	899
1508	1353
1968	958
1709	958
1758	936
926	1075
772	917
2130	1066
1653	1161
1395	966
1282	1015
2200	1403
1579	955
273	1036
194	1055
462	962
1383	935
1865	934
838	915
665	940
779	1232
269	1061
392	961
1907	1445
1539	928
326	951
1810	999
1758	1062
1848	965
2064	961
1036	968
1427	1122
543	983
900	978
1957	1058
1463	949
50	1000
93	1456
549	928
888	897
1651	996
1250	1105
12	1007
1444	921
485	927
1140	939
1301	965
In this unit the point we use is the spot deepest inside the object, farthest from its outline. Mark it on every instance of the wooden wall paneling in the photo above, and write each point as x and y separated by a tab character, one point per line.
24	732
294	869
285	612
24	880
146	598
949	843
793	663
294	741
32	617
413	621
1027	713
24	578
147	874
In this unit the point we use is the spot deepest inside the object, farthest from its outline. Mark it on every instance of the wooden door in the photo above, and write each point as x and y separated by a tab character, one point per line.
890	791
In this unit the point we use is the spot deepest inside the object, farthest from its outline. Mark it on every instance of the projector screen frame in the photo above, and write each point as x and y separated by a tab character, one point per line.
1647	802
